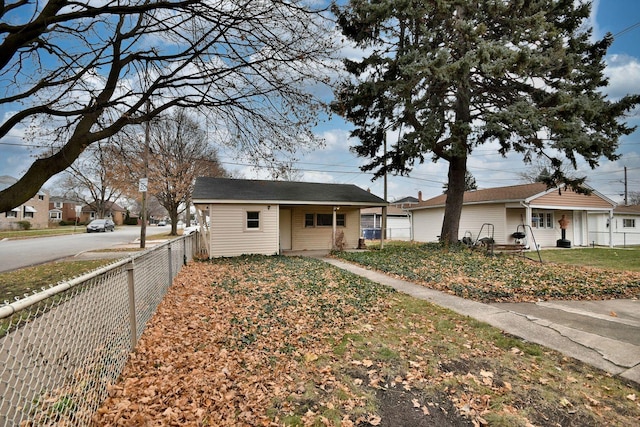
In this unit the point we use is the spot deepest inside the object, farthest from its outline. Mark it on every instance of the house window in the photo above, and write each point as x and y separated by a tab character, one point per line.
542	220
253	220
40	196
309	220
629	223
324	220
11	214
57	205
28	211
55	215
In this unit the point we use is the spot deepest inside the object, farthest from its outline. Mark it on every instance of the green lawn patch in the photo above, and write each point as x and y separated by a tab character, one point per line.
623	259
26	280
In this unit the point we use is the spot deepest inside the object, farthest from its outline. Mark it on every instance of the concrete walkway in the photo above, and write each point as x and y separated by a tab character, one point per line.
604	334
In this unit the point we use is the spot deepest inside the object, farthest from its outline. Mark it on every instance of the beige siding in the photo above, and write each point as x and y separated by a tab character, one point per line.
571	199
316	238
230	237
40	202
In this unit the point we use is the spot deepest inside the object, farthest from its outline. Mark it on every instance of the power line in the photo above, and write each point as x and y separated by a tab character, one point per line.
627	29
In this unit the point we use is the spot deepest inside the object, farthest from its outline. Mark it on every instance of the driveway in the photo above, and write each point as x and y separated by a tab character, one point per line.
604	334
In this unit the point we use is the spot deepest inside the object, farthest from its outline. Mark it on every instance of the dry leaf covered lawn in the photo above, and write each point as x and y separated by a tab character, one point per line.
502	278
253	341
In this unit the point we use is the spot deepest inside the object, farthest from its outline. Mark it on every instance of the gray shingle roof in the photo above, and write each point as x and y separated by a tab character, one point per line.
231	190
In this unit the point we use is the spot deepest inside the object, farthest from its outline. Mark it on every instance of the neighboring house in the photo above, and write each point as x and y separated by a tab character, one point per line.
527	207
112	210
268	217
625	227
398	220
62	209
34	210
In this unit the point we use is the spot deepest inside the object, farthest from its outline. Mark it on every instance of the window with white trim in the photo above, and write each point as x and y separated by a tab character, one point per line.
55	215
324	220
542	220
628	223
253	220
11	214
309	220
57	205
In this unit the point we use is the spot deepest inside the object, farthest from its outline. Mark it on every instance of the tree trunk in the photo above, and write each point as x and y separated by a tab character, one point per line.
173	215
455	197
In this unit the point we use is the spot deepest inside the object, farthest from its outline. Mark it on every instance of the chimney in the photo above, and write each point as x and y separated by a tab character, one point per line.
419	196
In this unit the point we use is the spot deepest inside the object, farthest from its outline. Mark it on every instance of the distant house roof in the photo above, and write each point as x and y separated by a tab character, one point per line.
513	193
63	199
229	190
7	181
406	200
108	206
629	210
391	211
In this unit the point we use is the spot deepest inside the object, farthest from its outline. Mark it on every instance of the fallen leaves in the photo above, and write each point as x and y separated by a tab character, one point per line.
270	341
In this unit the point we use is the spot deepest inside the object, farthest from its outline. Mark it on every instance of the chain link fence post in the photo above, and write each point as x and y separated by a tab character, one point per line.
132	304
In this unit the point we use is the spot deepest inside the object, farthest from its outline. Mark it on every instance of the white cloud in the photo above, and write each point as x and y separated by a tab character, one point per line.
624	75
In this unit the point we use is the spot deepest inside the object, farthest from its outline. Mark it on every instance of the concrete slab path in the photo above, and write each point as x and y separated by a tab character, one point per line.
604	334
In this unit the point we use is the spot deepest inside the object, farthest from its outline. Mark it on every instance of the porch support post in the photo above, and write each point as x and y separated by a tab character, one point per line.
334	230
610	228
383	226
527	221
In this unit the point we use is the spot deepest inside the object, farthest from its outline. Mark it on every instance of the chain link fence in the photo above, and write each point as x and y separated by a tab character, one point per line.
61	348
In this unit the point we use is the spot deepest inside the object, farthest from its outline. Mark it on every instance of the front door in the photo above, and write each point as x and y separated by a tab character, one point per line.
285	229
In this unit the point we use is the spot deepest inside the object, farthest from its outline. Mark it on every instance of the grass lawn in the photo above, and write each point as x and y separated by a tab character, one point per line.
26	234
26	280
294	341
474	275
627	259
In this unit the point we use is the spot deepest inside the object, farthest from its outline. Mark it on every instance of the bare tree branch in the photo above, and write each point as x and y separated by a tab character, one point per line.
74	74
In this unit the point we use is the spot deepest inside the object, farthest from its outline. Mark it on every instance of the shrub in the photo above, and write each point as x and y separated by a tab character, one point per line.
24	225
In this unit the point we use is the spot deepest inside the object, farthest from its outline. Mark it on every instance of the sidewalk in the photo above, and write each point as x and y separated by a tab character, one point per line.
604	334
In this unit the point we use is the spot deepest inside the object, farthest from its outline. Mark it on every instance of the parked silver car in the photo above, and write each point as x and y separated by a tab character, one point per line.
101	225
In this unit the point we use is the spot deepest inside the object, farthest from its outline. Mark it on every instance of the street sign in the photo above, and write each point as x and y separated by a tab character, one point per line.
143	184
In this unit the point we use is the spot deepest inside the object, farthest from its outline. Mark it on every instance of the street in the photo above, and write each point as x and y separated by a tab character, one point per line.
20	253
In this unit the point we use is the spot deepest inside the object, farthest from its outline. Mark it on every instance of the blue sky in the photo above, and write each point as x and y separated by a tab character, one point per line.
335	163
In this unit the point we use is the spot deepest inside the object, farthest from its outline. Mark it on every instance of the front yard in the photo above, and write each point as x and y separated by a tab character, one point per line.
294	341
502	278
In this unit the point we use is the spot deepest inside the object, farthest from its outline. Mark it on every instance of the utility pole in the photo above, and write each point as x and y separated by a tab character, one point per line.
626	194
144	183
383	226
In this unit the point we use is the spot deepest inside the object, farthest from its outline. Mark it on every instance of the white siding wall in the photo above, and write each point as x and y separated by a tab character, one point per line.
427	224
625	236
474	216
398	228
319	238
230	237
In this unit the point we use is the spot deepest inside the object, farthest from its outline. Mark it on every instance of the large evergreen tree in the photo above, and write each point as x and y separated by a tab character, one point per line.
455	74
